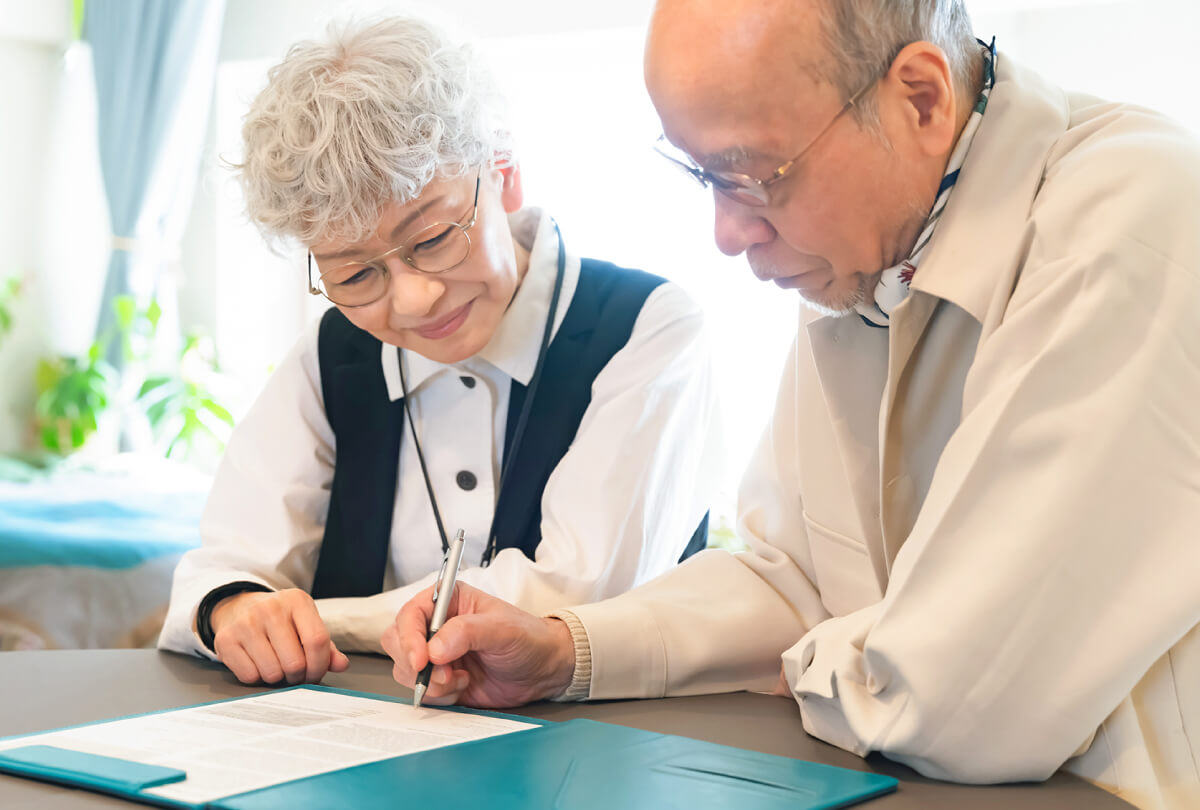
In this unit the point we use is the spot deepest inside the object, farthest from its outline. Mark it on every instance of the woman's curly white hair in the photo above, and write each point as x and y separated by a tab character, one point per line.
363	119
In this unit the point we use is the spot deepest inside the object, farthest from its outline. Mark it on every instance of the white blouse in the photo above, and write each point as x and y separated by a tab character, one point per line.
617	511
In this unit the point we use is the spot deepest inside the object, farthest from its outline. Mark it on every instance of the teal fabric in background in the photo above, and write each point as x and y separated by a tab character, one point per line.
88	546
97	533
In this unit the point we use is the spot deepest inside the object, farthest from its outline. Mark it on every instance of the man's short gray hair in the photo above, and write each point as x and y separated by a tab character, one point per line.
863	38
367	117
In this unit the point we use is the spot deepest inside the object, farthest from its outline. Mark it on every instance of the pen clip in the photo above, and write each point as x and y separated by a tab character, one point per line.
453	550
437	586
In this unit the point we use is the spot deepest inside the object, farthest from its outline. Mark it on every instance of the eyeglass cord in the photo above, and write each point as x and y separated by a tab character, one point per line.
490	551
437	513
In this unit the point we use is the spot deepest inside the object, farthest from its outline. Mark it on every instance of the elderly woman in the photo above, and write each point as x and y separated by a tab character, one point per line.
471	374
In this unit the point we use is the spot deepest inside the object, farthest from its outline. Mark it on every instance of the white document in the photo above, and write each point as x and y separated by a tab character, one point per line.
255	742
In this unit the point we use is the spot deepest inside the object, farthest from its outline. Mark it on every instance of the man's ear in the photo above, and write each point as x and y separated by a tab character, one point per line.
512	195
923	102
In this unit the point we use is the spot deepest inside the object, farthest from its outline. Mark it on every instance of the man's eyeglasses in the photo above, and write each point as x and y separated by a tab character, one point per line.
740	187
435	249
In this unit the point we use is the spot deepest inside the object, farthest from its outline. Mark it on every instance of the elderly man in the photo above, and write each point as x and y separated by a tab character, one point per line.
972	518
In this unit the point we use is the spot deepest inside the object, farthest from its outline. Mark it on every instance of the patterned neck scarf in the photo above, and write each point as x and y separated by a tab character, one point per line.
894	283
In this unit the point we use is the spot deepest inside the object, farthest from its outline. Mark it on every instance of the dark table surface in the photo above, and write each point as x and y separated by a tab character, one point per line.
49	689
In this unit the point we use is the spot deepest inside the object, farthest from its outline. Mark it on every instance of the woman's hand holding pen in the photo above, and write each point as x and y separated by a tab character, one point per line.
273	637
489	654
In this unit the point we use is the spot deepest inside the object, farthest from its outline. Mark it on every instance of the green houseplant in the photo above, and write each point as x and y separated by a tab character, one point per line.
182	403
183	407
75	392
9	290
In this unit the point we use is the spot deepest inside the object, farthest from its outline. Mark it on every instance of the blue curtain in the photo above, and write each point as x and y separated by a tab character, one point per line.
155	64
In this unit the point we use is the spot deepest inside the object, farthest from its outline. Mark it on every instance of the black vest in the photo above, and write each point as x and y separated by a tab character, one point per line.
368	428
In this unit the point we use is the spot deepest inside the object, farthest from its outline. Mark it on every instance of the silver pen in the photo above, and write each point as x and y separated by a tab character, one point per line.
442	591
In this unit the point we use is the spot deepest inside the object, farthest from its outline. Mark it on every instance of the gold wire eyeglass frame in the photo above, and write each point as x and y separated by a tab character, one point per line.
379	261
743	188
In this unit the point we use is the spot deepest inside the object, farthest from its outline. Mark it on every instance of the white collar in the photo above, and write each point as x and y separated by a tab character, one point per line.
514	347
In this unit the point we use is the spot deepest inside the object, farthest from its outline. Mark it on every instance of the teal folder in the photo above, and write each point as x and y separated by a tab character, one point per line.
578	765
574	765
72	767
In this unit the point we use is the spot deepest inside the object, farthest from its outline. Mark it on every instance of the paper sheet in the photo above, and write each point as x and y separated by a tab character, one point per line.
237	746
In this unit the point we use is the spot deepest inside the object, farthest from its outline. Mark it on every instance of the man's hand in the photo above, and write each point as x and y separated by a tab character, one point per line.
270	637
490	654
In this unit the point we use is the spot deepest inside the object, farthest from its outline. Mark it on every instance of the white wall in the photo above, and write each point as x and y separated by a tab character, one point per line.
265	28
1140	51
46	22
31	44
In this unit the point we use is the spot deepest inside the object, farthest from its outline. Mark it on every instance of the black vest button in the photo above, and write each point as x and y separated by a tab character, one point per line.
469	382
466	480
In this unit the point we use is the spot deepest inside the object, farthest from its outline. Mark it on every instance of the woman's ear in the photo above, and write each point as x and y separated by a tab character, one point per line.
512	195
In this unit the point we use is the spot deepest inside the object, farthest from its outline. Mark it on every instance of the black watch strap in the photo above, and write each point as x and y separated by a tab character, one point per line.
212	599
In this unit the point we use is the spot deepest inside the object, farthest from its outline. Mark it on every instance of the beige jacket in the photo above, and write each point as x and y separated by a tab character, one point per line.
975	537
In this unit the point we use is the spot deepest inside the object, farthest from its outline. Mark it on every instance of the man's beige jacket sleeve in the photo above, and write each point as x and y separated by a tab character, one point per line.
720	619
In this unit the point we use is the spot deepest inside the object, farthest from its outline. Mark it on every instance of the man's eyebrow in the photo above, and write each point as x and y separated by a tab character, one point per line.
408	219
730	159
